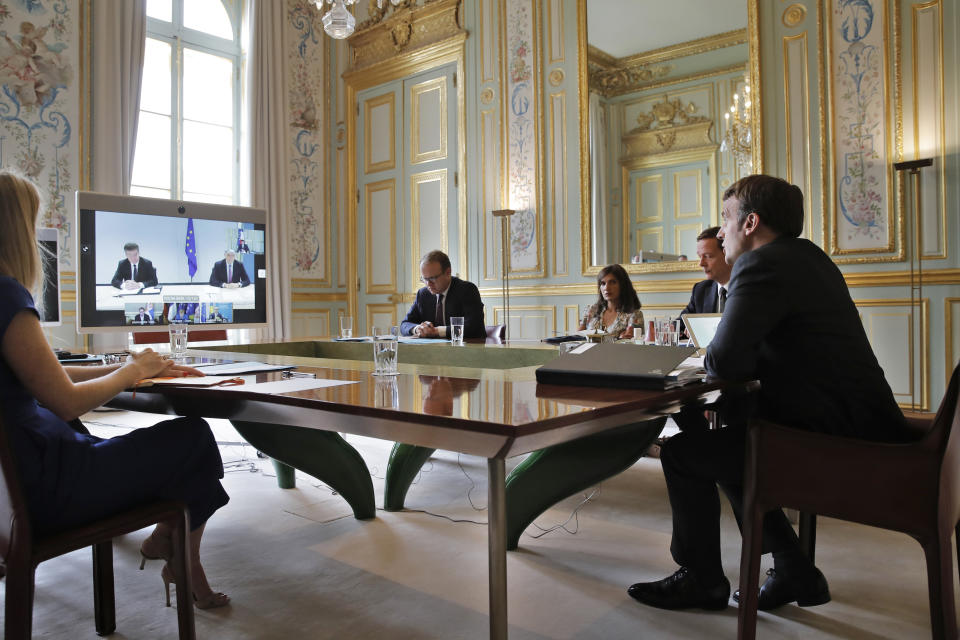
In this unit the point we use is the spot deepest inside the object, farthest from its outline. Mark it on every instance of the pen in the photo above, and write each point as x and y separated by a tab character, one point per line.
298	374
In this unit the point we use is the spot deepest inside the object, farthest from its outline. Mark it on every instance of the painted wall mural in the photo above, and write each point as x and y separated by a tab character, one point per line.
37	105
305	60
863	218
521	94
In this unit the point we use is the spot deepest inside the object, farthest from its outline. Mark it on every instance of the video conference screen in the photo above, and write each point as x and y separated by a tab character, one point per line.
146	263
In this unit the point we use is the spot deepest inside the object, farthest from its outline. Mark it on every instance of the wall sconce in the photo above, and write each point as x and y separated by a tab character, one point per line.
738	138
914	241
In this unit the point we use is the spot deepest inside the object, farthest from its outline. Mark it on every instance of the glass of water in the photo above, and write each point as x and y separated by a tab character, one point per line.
178	339
385	340
456	330
346	327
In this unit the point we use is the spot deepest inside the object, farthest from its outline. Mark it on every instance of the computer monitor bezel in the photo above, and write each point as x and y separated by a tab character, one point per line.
686	317
89	202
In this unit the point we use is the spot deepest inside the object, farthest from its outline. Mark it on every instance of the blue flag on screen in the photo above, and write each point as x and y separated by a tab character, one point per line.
191	249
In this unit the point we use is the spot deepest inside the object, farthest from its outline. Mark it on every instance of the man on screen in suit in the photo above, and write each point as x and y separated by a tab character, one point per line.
443	297
134	272
143	317
228	273
707	294
790	323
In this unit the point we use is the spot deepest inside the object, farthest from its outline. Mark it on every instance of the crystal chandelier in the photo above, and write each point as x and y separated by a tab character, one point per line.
338	22
738	138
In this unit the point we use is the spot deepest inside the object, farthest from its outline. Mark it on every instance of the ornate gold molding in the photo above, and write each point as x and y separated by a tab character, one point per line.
318	297
407	29
669	126
794	15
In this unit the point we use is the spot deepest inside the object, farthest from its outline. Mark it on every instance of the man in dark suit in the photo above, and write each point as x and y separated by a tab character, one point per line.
790	323
228	273
142	317
444	297
706	294
134	272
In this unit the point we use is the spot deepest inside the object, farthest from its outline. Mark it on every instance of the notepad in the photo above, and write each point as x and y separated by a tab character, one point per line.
192	381
289	386
237	368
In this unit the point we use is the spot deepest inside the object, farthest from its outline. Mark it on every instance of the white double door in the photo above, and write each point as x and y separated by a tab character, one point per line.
407	177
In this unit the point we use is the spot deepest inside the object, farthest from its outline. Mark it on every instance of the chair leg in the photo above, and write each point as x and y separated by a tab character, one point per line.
181	574
939	555
19	602
750	570
808	534
104	603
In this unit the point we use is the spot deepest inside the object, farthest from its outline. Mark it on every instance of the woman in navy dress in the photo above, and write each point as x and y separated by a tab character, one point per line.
71	478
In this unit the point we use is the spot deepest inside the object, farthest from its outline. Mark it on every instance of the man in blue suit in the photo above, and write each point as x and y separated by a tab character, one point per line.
228	273
443	297
707	294
791	324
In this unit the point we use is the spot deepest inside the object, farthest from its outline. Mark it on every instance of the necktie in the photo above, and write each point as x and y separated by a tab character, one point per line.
723	299
438	316
134	272
229	273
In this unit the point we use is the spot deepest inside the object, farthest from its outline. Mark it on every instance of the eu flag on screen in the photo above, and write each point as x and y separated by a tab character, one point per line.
191	249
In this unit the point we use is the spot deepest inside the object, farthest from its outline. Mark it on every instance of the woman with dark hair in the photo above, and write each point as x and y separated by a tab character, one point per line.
617	310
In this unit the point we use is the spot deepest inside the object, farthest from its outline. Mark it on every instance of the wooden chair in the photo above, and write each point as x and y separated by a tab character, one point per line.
496	331
21	551
913	488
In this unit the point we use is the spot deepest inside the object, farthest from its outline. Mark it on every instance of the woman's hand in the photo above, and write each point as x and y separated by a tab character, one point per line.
183	371
149	364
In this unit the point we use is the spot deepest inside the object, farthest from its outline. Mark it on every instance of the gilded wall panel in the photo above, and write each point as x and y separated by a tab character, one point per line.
311	323
381	315
428	215
571	318
952	324
901	343
487	33
557	152
490	193
379	144
428	121
527	321
555	30
380	206
796	94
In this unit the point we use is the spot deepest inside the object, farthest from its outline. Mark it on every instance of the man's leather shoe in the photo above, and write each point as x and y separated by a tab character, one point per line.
778	590
682	590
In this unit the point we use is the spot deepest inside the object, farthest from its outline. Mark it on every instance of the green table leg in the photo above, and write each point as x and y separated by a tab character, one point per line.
322	454
402	467
549	475
286	478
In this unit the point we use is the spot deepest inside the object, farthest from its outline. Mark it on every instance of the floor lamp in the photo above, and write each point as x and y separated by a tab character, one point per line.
504	215
914	241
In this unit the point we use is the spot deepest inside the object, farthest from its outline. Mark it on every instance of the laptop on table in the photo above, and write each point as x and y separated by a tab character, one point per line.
701	327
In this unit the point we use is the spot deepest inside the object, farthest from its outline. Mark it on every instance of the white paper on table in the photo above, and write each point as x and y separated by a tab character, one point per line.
693	362
288	386
583	348
234	368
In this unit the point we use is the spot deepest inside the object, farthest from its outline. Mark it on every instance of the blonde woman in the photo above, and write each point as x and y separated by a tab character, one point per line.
71	478
617	310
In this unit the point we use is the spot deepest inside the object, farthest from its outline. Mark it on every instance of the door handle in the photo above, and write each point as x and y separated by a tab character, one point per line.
395	298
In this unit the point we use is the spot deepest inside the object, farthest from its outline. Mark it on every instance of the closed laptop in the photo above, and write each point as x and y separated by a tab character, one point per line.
621	366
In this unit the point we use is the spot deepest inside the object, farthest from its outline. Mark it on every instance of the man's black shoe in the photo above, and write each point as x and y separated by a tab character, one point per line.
682	590
778	590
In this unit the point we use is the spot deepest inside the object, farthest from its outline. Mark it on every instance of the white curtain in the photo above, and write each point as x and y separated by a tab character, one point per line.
119	36
598	180
267	164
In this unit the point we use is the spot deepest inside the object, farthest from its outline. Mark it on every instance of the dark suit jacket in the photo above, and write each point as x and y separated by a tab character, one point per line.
218	276
789	322
143	318
145	273
462	299
703	298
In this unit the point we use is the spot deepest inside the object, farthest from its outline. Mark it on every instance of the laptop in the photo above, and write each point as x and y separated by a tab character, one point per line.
701	327
621	366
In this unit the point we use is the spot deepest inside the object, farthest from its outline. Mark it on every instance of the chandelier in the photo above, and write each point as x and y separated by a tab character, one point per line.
338	22
738	138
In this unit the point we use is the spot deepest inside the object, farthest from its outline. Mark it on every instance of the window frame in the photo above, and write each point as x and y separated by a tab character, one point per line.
179	38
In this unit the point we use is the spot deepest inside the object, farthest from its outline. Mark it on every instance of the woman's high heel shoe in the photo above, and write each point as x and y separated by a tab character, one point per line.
144	556
212	600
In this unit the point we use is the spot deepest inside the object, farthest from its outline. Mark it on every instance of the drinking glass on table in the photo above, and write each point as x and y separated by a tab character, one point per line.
346	327
456	330
668	332
385	341
178	339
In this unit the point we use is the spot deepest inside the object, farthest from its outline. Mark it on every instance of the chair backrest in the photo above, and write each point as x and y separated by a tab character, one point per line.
498	331
203	335
15	530
946	428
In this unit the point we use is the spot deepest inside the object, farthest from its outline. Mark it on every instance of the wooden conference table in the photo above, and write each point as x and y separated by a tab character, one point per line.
485	411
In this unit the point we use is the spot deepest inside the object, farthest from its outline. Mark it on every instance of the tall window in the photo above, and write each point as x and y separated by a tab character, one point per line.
188	137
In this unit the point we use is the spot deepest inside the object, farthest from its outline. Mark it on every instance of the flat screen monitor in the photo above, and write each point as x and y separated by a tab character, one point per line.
147	262
48	238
